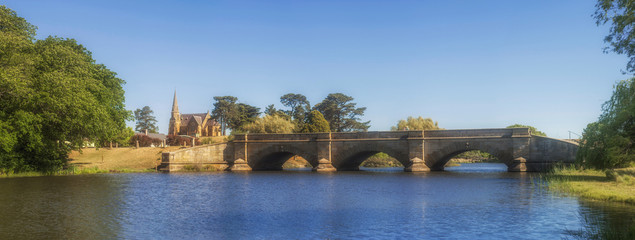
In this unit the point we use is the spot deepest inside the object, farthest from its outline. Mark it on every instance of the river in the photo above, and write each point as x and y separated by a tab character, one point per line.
473	201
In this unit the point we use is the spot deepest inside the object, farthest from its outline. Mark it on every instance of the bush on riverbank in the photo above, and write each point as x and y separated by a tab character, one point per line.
381	160
616	185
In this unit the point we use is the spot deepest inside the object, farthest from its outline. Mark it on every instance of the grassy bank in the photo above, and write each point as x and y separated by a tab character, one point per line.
612	185
103	160
118	159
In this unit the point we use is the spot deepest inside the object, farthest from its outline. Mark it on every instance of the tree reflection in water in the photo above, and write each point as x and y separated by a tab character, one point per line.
605	221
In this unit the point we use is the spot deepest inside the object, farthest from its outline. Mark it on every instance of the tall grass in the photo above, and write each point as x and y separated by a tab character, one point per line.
611	185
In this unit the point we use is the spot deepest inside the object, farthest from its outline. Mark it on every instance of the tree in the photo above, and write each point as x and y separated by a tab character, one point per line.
244	114
270	124
272	111
610	142
418	123
53	98
620	38
145	120
341	113
315	122
224	109
298	104
532	130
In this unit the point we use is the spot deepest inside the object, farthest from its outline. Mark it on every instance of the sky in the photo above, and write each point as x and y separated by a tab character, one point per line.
465	64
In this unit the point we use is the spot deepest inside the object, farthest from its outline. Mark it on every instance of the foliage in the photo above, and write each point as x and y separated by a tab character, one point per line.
620	38
145	120
244	115
419	123
532	130
476	155
270	124
233	115
610	142
176	140
207	140
224	109
53	98
342	114
315	122
298	104
381	160
272	111
144	141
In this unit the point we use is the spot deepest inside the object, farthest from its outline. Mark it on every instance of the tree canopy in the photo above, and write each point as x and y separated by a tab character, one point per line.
621	37
298	104
342	114
233	115
224	109
145	120
244	114
270	124
315	122
610	142
532	130
418	123
53	98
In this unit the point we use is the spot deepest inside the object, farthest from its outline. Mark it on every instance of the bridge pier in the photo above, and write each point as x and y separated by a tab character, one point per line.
324	166
240	166
417	165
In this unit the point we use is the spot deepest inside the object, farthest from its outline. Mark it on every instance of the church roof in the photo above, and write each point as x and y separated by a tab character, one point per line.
198	117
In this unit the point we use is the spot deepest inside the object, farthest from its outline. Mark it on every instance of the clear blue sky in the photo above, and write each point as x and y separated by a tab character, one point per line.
465	64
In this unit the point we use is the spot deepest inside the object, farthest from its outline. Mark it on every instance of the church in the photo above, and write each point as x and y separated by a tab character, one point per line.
193	124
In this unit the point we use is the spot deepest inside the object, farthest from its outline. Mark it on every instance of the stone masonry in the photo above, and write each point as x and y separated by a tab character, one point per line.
418	151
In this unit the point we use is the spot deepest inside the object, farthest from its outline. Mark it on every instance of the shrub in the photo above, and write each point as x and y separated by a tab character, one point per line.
174	140
144	141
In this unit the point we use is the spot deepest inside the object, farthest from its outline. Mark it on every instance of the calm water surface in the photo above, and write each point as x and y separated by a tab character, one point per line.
474	201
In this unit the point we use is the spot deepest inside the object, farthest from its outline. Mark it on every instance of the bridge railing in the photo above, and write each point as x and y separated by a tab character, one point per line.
332	136
494	132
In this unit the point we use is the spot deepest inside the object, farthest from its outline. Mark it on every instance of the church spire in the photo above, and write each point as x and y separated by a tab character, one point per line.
175	105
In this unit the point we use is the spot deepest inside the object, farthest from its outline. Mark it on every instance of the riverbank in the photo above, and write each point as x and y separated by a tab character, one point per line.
104	160
616	185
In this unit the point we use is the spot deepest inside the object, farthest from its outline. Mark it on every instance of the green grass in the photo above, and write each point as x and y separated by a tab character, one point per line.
612	185
72	170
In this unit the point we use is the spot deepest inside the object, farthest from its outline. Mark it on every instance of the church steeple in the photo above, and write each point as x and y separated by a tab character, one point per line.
175	105
175	120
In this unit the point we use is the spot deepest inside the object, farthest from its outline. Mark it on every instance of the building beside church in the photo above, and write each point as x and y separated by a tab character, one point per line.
193	125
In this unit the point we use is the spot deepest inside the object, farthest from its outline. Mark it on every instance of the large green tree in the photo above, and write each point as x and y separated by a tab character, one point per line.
610	142
298	105
224	110
342	114
621	37
532	130
315	122
244	115
145	120
53	98
419	123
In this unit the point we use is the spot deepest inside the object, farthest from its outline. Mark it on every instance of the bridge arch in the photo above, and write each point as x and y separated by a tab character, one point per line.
502	150
349	158
274	156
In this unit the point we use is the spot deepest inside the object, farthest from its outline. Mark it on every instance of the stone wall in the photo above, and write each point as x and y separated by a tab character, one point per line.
202	157
545	151
416	150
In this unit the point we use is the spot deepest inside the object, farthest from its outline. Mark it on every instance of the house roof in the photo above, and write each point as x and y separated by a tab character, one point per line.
153	135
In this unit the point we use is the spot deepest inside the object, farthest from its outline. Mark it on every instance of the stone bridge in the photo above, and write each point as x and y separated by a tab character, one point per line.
418	151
